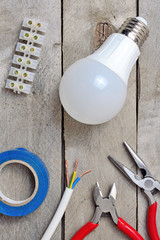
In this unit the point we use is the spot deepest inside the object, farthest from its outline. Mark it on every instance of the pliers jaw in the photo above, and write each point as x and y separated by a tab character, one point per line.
147	182
105	206
141	165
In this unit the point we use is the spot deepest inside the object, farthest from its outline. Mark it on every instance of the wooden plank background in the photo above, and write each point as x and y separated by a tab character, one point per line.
148	105
38	123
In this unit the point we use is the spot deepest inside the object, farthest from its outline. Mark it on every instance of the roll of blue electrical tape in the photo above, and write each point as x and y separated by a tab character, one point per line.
14	208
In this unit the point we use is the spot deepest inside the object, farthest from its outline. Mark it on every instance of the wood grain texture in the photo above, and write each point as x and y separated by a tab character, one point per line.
33	121
149	102
92	144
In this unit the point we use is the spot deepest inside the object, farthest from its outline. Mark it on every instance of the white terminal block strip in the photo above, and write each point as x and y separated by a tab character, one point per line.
27	53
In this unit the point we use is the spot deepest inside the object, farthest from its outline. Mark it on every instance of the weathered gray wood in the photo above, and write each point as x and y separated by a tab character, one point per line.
149	102
92	144
33	121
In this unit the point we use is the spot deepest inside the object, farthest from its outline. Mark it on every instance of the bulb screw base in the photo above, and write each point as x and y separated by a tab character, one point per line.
135	29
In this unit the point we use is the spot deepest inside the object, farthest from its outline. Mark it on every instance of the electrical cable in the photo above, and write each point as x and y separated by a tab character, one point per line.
79	178
74	175
75	182
58	215
63	203
72	180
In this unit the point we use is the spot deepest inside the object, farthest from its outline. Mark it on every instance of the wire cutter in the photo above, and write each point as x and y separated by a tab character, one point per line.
149	185
104	207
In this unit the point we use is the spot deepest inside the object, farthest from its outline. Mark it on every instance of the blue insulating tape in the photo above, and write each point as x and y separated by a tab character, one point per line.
43	178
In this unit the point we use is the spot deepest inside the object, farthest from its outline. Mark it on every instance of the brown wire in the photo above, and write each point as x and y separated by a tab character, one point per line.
67	176
85	173
76	165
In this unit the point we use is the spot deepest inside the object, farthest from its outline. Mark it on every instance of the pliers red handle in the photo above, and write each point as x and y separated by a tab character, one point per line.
84	231
149	185
122	225
106	206
151	222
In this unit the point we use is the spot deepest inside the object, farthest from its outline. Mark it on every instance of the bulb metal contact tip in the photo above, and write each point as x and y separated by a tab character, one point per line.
136	29
142	20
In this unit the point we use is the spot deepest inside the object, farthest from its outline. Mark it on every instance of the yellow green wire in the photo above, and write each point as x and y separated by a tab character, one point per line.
72	179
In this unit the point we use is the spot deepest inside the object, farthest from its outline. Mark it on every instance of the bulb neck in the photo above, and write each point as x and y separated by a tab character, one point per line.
135	29
119	53
121	50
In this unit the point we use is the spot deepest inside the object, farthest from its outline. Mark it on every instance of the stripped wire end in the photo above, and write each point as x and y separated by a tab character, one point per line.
79	178
76	165
85	173
73	175
67	175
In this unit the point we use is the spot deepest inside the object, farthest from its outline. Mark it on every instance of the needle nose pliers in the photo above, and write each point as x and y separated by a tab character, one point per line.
104	207
148	184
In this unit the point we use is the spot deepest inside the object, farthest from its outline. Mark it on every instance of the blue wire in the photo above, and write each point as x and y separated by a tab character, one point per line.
75	182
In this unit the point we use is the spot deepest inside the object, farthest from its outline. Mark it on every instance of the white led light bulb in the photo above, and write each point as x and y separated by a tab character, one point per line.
93	89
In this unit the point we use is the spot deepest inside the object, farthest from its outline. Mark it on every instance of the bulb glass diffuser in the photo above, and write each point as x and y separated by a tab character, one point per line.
93	90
